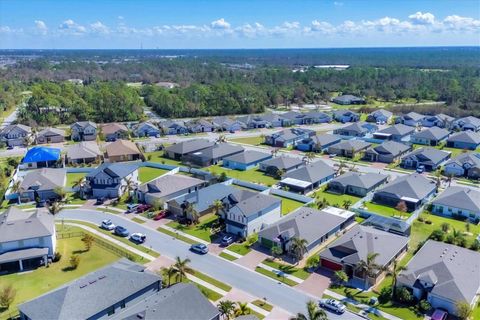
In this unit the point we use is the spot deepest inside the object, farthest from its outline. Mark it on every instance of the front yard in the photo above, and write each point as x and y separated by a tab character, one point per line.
201	230
288	269
252	175
146	174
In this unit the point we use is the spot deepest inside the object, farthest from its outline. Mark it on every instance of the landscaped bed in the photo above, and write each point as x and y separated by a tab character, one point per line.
288	269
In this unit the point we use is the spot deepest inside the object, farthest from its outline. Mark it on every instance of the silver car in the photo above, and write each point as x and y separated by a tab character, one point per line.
333	305
107	225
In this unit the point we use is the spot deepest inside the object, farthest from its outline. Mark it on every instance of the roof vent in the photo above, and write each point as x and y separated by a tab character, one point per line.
83	286
102	277
92	281
28	221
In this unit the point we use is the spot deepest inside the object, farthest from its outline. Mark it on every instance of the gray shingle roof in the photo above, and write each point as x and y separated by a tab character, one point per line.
428	155
84	124
16	224
169	183
90	294
44	179
414	116
414	186
465	136
312	173
218	150
114	170
359	127
350	145
433	133
248	156
83	150
454	270
366	181
470	120
459	197
325	139
250	202
10	127
464	158
283	162
204	198
382	112
48	132
398	129
189	146
391	147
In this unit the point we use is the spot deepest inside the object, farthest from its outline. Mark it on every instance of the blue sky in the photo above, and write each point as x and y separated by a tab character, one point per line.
238	23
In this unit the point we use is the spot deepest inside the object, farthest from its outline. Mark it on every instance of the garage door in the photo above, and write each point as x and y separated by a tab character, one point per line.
331	265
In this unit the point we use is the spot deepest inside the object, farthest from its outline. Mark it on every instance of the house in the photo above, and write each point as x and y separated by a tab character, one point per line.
356	184
411	119
316	117
288	137
430	137
467	123
169	127
27	239
114	131
83	152
245	160
348	148
315	226
464	140
180	149
248	212
199	125
357	129
50	135
380	116
83	131
228	124
167	187
212	155
463	165
285	119
122	150
387	152
443	274
282	163
101	294
110	180
145	129
254	122
398	132
350	249
458	202
345	116
307	178
348	99
40	185
318	143
15	135
41	157
428	157
440	120
414	189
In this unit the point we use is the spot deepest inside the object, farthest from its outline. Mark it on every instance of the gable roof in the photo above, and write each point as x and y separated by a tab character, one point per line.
324	139
466	137
342	112
390	147
433	133
414	186
291	133
464	158
283	162
428	155
189	146
459	197
348	98
350	145
249	203
248	156
382	112
44	179
218	150
414	116
168	184
312	173
84	124
83	150
114	127
140	125
12	127
51	132
113	170
471	120
202	199
359	127
40	154
121	147
397	129
355	179
16	224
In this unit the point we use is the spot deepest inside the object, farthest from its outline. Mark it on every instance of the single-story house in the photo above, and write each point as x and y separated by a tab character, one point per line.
110	180
27	239
167	187
380	116
173	127
113	131
145	129
50	135
41	184
458	201
199	125
83	152
122	150
288	137
213	155
350	249
178	150
412	119
15	135
248	212
464	140
316	117
345	116
440	120
467	123
290	118
228	124
276	120
254	122
398	132
314	226
245	160
430	137
428	157
357	129
307	178
83	131
318	142
463	165
348	148
348	99
282	163
41	157
443	274
387	152
414	189
356	184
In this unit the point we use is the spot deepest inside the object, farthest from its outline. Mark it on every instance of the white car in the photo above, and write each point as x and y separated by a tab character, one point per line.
138	237
107	225
333	305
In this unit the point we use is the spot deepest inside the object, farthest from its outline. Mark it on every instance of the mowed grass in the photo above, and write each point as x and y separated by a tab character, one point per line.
146	174
385	211
289	205
74	177
288	269
157	156
275	276
254	141
239	248
212	281
335	200
252	175
201	230
227	256
176	236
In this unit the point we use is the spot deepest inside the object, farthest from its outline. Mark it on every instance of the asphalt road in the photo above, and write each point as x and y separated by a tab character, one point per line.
288	298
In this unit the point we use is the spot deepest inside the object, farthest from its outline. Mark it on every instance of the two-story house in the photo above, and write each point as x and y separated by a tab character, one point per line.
145	129
83	131
15	135
111	180
288	137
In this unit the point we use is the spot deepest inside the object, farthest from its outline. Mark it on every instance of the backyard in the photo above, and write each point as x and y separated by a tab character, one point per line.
252	175
74	177
157	156
146	174
385	211
335	200
254	141
288	205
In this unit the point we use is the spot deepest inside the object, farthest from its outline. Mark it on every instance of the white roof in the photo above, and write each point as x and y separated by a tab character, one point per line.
382	134
339	212
410	199
296	182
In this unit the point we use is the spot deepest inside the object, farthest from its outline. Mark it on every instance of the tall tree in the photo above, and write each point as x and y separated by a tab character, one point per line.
182	268
226	308
394	272
298	247
368	267
313	313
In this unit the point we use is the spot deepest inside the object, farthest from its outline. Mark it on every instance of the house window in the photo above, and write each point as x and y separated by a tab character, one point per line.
122	304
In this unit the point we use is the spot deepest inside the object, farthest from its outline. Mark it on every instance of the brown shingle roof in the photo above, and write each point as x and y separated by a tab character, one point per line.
121	147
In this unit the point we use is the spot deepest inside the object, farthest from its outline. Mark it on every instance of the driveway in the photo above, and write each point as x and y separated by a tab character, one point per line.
315	284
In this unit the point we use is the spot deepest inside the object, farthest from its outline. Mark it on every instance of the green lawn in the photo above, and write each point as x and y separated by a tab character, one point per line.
254	141
262	304
227	256
275	276
157	156
385	211
177	236
201	230
146	174
252	175
73	198
288	269
212	281
240	248
138	220
209	294
74	177
335	200
288	205
32	284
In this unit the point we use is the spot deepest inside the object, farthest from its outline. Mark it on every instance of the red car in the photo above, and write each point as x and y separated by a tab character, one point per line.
162	214
143	207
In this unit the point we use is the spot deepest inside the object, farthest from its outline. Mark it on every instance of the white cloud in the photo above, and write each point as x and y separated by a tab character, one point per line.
99	27
459	23
321	26
291	25
220	24
70	27
422	18
41	27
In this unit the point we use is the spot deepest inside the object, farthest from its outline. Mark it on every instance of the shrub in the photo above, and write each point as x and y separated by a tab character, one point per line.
74	261
57	256
437	235
424	306
403	295
313	261
428	221
7	295
385	295
420	219
475	245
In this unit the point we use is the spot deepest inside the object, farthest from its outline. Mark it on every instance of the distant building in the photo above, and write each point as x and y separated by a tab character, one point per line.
357	129
15	135
228	124
170	127
458	202
50	135
113	131
387	152
84	131
122	150
440	120
349	148
145	129
412	119
199	125
464	140
245	160
282	163
380	116
345	116
348	99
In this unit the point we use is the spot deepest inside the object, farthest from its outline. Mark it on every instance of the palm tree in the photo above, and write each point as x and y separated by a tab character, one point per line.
217	207
438	177
78	183
194	215
182	268
318	146
298	247
16	188
347	204
276	251
169	272
322	203
129	185
368	267
226	308
242	309
54	208
340	166
313	313
394	272
340	277
309	156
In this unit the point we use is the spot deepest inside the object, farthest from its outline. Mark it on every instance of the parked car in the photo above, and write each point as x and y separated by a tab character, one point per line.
199	248
107	225
143	207
131	207
227	240
100	201
439	314
162	214
138	237
421	169
121	231
333	305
